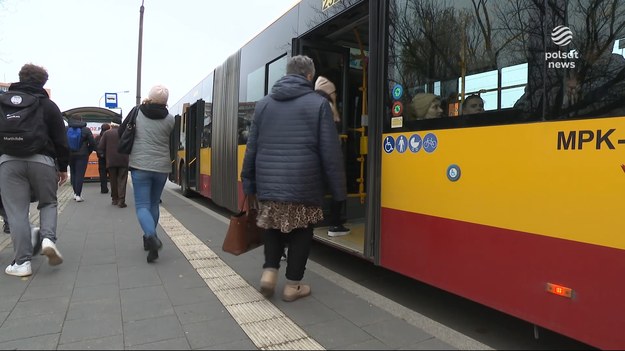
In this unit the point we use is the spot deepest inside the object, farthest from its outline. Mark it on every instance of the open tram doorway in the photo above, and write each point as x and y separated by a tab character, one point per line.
190	169
339	49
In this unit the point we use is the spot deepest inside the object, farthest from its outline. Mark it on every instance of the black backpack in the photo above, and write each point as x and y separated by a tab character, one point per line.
23	131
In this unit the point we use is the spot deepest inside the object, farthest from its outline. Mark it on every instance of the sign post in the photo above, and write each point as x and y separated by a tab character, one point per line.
110	100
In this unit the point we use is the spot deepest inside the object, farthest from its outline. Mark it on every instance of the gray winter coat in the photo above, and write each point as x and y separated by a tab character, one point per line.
293	150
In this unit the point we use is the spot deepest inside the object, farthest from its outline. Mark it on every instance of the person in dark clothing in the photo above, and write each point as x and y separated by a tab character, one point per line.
41	173
116	164
293	149
78	160
102	161
327	89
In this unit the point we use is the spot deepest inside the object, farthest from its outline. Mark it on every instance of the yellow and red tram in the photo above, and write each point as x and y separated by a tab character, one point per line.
517	207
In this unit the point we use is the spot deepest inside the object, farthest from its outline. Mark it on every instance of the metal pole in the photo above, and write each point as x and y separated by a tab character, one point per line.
139	55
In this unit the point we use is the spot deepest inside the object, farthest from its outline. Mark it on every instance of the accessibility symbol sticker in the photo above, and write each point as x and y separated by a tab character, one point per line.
430	143
398	91
453	173
402	144
416	143
398	109
389	144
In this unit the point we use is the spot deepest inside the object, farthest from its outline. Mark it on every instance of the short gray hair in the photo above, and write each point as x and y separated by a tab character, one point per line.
301	65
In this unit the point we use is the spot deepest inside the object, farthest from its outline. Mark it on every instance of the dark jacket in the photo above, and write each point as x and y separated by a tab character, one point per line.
293	149
87	142
108	146
56	147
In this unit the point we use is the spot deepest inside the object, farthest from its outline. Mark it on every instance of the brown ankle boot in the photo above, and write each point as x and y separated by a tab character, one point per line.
268	282
293	292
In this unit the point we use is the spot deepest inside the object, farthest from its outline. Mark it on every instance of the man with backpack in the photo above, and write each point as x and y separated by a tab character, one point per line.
81	144
34	156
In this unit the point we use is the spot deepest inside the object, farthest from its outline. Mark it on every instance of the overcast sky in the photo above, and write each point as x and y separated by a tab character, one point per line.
89	47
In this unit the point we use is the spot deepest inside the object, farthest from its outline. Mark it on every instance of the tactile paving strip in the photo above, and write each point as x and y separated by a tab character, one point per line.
266	326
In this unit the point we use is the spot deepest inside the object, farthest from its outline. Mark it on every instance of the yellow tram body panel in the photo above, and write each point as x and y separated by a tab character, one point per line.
560	179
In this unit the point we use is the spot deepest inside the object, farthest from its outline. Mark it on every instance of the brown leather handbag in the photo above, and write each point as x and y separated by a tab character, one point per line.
243	234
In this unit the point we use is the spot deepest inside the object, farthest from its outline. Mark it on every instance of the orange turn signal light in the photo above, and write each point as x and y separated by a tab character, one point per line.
559	290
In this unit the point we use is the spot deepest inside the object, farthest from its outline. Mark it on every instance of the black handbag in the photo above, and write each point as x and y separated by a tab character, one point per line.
127	132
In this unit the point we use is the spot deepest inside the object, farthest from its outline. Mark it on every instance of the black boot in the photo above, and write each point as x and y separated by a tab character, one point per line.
145	243
154	244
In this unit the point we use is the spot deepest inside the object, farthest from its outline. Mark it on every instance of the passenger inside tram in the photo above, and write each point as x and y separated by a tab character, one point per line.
425	106
472	104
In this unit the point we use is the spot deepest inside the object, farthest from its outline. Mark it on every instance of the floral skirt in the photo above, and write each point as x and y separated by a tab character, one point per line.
287	216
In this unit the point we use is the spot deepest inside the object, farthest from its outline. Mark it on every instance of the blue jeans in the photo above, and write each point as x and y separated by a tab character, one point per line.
148	187
77	169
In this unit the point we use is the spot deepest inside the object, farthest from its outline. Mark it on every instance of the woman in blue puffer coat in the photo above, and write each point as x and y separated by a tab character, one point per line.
292	152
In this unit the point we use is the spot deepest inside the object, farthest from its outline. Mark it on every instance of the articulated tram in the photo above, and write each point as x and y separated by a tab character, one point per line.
518	206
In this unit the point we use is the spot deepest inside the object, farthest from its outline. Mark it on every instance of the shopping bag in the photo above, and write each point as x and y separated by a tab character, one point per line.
243	234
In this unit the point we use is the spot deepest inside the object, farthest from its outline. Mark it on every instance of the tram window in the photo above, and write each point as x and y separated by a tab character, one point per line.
275	71
497	50
255	91
257	87
207	93
207	130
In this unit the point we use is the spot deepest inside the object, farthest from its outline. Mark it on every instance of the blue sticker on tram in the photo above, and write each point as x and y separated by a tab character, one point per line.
430	143
453	173
389	144
402	144
416	143
398	91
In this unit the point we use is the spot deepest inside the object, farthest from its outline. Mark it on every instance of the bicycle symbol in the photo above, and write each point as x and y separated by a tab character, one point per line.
430	143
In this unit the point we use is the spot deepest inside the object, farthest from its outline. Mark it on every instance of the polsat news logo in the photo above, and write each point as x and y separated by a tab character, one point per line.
561	36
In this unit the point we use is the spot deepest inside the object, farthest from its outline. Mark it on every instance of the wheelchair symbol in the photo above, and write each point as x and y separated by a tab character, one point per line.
389	145
453	173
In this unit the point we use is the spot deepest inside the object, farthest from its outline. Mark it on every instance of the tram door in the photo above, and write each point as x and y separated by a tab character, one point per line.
174	142
195	120
333	62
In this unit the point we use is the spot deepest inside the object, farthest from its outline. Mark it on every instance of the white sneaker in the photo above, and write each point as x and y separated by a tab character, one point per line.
79	199
48	248
338	230
19	270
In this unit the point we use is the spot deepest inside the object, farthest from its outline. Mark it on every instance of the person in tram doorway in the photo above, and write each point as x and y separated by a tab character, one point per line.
37	174
292	148
102	160
150	164
327	89
79	153
116	165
